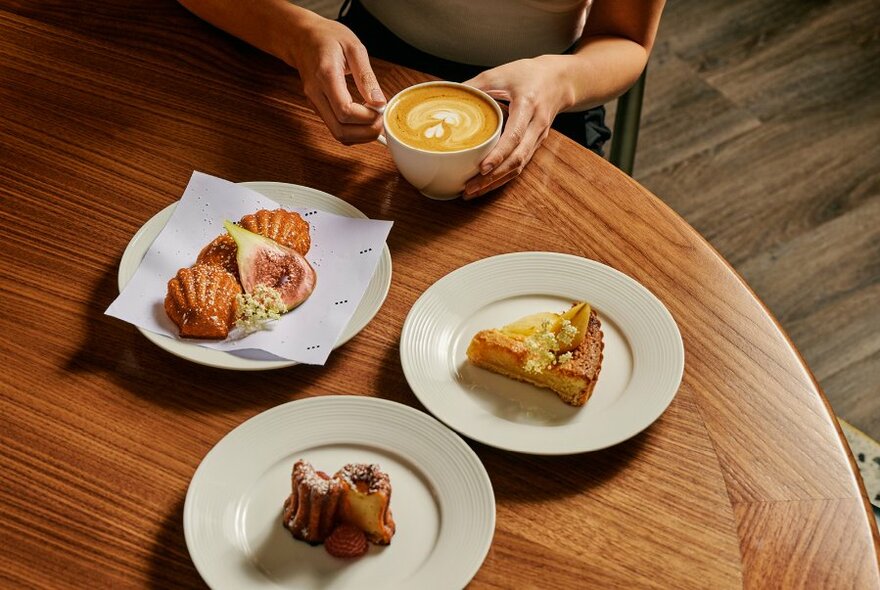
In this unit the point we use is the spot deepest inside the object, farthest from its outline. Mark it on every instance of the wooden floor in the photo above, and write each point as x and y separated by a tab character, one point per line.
761	127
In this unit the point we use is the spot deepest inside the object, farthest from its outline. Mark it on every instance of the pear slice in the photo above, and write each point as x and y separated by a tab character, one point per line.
262	261
579	316
531	324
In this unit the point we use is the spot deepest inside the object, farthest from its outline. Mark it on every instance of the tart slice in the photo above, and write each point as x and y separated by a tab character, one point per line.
558	351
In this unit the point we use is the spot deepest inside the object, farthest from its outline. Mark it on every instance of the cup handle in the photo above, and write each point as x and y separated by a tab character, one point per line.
381	110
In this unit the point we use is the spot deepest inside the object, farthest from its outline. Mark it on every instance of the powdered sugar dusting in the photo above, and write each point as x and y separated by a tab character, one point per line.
304	472
369	473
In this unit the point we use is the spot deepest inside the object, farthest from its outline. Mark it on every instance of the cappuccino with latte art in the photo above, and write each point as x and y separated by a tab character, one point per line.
438	134
442	118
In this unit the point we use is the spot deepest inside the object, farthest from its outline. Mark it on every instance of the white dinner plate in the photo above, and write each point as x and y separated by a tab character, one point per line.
641	371
291	195
442	499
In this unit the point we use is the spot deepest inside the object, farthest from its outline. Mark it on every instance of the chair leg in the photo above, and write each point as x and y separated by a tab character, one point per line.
626	126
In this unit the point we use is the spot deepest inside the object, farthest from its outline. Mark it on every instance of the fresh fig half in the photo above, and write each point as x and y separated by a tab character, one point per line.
262	261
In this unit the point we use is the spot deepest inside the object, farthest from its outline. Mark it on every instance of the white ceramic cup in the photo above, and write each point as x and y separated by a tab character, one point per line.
438	175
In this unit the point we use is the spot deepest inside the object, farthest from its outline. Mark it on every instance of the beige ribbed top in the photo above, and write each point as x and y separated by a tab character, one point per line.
484	32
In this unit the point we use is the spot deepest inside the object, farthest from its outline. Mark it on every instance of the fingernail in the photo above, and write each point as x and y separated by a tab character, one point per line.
377	96
486	169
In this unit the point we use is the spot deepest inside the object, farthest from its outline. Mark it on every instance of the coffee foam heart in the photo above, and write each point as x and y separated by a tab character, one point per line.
442	118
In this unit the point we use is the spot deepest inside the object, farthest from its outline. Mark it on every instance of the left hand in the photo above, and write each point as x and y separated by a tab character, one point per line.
537	92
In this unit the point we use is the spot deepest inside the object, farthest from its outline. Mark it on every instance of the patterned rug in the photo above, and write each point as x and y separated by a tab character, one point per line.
866	450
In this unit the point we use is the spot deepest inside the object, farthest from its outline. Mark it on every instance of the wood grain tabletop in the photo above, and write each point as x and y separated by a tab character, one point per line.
106	108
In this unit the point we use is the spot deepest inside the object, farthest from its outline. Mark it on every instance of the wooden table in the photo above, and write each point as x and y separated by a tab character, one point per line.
106	110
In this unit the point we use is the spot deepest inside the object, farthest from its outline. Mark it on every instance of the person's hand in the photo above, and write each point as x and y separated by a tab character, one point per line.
537	92
324	53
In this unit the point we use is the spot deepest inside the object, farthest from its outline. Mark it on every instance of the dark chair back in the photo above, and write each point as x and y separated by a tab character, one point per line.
626	126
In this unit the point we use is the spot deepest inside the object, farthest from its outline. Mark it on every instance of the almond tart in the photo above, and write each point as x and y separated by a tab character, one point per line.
560	352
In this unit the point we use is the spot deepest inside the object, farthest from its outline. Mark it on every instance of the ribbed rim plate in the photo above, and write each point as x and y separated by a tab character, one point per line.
641	371
442	499
292	195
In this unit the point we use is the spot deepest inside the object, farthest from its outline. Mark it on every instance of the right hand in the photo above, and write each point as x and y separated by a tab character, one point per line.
324	53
